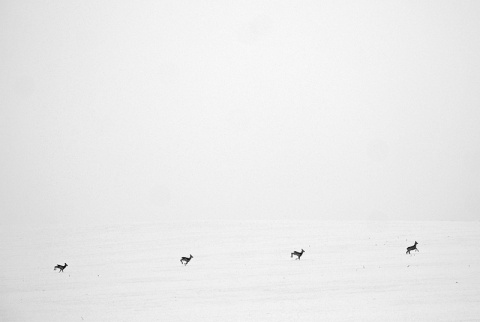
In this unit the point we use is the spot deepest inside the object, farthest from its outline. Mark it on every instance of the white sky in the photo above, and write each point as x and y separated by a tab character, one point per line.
131	110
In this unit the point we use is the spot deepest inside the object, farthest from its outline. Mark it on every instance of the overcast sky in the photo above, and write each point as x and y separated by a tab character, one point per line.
140	110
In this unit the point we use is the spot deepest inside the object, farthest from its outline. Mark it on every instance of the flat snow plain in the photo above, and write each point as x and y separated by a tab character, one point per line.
242	271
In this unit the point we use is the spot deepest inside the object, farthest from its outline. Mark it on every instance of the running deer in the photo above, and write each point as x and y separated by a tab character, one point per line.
186	259
60	267
298	254
414	247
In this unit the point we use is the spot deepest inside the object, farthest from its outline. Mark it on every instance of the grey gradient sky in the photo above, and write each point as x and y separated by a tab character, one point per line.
140	110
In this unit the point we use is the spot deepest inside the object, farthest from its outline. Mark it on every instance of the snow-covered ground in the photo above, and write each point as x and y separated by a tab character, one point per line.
242	271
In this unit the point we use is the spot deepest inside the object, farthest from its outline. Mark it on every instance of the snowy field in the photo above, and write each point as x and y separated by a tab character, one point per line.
242	271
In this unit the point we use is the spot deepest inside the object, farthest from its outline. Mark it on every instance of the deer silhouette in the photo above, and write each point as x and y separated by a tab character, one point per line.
414	247
60	267
186	259
298	254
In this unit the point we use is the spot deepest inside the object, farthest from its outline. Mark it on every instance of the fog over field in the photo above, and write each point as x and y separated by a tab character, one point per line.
242	271
157	110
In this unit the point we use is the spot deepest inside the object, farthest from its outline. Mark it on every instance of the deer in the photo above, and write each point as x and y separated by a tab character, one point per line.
414	247
186	259
60	267
298	254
